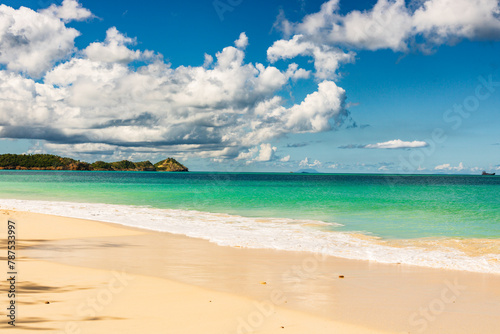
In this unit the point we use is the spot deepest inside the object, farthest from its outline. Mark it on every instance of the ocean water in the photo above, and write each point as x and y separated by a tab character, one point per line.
439	221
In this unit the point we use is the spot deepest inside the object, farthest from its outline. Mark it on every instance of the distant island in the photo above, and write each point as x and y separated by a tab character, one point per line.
308	171
54	162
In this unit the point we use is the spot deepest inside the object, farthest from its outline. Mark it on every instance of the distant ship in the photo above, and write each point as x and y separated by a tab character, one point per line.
484	173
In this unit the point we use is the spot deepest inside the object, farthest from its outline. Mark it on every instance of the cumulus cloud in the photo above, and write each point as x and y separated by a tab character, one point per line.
263	153
114	49
285	158
37	148
448	167
242	41
68	11
442	20
390	24
95	102
32	42
313	114
327	59
307	164
391	144
295	73
398	143
98	151
266	152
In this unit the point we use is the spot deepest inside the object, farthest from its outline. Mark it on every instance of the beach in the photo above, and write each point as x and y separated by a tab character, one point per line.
237	167
101	277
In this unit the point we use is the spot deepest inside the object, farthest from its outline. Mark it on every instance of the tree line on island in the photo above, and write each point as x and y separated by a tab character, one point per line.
54	162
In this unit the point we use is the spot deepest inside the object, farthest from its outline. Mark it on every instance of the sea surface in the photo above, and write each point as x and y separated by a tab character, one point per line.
442	221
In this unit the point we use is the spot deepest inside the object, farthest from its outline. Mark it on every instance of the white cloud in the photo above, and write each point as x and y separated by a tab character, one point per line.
242	41
326	59
306	164
398	143
443	166
296	73
204	109
98	151
386	25
216	111
314	113
37	148
391	144
114	49
287	49
390	24
32	42
442	20
68	11
266	152
91	101
208	60
448	167
248	155
263	153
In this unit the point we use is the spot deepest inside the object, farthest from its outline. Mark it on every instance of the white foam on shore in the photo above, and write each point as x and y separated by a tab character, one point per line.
272	233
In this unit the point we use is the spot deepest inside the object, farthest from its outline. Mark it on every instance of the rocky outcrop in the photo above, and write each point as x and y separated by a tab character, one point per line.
170	165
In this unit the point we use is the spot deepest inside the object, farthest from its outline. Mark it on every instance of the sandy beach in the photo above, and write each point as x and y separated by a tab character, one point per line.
81	276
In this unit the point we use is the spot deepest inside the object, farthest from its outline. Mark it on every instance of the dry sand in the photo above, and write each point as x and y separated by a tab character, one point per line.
106	278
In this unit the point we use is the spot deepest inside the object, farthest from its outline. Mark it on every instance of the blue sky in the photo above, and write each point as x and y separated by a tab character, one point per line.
340	86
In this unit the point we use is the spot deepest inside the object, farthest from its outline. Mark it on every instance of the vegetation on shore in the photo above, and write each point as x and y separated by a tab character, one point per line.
54	162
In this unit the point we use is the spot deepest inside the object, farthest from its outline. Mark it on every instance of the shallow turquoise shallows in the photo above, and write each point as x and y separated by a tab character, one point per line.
388	206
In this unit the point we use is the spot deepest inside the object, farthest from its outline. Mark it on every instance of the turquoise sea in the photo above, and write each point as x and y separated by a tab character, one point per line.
431	213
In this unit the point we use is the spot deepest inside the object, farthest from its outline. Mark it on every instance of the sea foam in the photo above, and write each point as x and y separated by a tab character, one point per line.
272	233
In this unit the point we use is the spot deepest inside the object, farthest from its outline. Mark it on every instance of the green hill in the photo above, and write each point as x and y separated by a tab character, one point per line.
41	162
54	162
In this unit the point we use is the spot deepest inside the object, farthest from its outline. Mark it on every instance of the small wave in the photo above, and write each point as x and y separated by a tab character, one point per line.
273	233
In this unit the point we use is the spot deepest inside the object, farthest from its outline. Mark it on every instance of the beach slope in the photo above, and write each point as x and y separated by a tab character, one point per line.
61	298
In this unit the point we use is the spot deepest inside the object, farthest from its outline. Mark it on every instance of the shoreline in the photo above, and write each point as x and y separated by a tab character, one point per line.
310	285
305	235
69	298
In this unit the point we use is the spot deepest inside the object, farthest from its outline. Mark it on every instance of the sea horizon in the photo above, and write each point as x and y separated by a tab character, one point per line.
249	172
